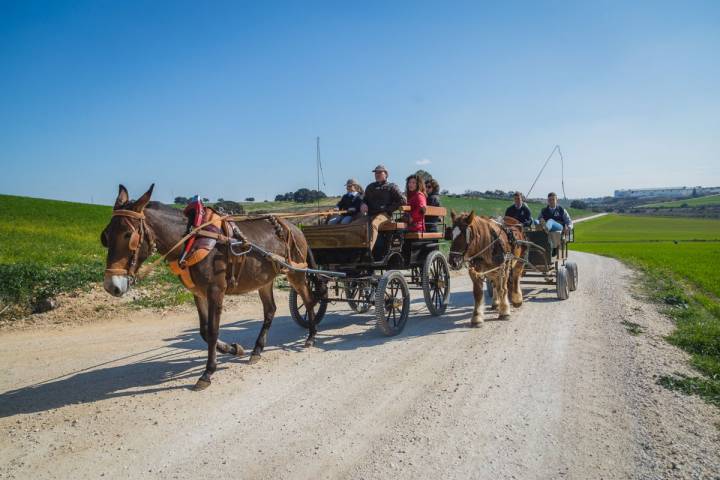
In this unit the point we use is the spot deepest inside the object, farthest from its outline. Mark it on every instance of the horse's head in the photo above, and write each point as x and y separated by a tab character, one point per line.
461	237
128	241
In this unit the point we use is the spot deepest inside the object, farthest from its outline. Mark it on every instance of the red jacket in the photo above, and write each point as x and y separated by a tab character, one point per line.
417	202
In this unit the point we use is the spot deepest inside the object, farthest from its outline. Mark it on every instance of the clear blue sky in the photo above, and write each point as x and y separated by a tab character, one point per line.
225	99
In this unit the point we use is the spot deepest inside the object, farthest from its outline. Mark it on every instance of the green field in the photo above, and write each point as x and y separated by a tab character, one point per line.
681	261
632	228
690	202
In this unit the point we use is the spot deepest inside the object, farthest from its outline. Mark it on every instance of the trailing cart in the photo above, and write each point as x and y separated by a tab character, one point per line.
547	257
378	279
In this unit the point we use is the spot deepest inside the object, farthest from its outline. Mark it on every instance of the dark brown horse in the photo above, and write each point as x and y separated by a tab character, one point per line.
139	227
490	253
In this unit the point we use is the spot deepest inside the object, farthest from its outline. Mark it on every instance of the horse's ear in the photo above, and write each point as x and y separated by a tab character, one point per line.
143	201
122	197
471	217
453	215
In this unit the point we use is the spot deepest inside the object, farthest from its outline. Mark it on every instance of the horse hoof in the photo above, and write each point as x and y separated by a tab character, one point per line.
309	343
201	384
503	316
517	305
239	350
476	324
254	358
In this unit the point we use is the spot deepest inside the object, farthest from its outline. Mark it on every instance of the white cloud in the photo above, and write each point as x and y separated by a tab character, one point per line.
424	161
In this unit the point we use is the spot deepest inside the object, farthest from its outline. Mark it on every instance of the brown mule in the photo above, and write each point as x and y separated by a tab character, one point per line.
139	227
485	246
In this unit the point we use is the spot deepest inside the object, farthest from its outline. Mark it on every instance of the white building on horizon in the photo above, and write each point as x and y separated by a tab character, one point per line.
666	192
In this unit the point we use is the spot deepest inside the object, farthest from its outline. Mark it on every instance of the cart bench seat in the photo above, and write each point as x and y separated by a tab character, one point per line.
423	235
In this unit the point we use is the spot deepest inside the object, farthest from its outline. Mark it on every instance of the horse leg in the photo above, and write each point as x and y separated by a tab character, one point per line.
516	297
477	317
299	283
503	304
202	307
215	300
269	308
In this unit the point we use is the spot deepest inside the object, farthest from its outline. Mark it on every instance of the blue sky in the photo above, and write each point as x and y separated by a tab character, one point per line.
225	99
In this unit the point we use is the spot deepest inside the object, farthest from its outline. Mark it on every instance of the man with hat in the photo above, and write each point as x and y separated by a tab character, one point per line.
350	202
381	199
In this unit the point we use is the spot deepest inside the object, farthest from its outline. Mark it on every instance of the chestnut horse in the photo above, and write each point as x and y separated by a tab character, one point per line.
489	251
139	227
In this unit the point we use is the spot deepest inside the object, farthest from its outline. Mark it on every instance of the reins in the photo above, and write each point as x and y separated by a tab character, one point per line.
147	269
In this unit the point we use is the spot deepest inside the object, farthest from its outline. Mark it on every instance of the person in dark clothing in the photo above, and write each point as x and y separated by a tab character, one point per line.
350	203
381	199
519	210
555	217
432	188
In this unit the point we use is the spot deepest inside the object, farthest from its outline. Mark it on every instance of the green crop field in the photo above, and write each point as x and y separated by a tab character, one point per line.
690	202
681	261
630	228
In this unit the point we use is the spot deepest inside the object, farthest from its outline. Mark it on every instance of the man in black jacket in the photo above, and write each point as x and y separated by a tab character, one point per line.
381	199
519	210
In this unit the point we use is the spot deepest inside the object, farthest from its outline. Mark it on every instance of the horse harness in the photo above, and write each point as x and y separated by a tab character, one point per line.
507	256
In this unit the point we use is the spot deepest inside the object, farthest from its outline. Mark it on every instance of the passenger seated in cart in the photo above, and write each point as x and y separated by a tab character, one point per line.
381	199
432	190
350	203
415	191
555	217
519	210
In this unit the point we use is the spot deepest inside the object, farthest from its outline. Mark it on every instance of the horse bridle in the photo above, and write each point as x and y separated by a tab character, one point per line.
467	259
136	240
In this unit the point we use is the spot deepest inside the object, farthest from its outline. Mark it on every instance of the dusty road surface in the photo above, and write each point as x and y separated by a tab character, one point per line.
561	390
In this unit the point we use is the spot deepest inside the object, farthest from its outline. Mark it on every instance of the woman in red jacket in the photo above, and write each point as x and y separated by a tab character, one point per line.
415	190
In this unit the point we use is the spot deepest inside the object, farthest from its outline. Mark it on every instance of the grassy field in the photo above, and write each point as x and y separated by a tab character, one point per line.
630	228
690	202
681	261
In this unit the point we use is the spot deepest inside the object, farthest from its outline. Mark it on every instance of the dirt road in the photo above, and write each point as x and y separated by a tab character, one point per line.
561	390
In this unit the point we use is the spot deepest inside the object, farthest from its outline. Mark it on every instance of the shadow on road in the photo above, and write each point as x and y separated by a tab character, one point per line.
184	356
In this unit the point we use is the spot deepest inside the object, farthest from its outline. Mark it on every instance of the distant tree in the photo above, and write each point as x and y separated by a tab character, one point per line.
250	199
205	200
221	200
230	207
181	200
578	204
694	194
445	192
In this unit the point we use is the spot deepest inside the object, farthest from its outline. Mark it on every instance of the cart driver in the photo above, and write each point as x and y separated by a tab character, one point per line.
519	210
382	198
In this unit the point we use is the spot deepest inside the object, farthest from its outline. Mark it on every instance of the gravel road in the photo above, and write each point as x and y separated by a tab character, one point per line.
561	390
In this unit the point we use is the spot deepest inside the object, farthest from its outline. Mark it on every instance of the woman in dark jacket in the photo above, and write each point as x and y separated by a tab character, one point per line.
350	203
432	189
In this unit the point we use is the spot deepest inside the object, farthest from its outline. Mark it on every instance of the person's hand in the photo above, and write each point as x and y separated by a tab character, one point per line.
363	208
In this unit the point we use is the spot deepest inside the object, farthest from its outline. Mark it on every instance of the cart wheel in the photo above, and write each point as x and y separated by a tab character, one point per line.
563	292
488	292
364	295
298	312
392	303
436	282
572	269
